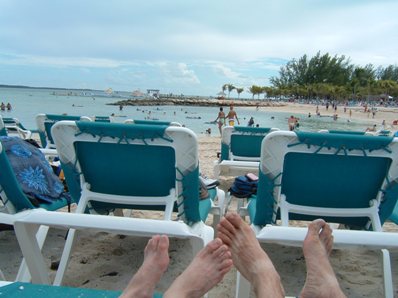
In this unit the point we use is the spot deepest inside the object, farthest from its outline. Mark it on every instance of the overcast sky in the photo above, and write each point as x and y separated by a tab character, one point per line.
184	46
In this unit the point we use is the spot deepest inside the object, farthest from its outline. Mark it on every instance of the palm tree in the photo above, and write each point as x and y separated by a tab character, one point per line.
230	88
255	90
239	91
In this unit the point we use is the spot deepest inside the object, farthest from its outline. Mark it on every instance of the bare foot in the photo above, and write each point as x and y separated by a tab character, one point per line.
156	261
206	270
248	256
321	280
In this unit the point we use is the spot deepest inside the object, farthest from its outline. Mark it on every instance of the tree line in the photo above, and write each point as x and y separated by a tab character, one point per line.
328	77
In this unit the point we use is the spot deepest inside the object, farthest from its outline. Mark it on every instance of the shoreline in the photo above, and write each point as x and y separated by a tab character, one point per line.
197	101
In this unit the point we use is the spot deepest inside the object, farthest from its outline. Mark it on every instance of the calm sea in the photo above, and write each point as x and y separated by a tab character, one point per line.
27	103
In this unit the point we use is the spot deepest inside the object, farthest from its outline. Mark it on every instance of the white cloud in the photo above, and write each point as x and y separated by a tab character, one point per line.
61	61
225	71
177	73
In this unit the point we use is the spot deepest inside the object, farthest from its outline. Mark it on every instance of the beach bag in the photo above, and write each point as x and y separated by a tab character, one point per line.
243	187
33	172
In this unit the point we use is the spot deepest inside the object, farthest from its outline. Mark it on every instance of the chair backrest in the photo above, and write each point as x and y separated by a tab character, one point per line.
15	128
3	131
102	119
46	121
153	122
131	160
243	142
329	170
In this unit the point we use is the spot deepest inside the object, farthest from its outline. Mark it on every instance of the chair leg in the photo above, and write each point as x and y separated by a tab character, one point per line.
63	264
26	235
284	209
23	272
387	276
242	286
216	169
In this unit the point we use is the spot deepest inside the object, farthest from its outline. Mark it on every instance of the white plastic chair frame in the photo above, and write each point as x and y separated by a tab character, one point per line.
343	239
40	122
65	133
13	129
40	234
274	149
26	226
235	162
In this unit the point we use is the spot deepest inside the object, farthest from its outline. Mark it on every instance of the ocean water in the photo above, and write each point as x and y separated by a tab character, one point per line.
27	103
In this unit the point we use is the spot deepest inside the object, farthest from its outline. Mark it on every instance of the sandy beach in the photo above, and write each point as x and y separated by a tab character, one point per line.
108	261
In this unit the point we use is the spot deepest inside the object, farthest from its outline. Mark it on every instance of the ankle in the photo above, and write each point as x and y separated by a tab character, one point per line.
268	285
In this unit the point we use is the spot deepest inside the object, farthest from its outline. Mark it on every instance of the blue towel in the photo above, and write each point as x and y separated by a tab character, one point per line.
33	172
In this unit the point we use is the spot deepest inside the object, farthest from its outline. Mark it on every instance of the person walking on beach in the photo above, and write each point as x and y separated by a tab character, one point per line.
221	119
231	116
291	122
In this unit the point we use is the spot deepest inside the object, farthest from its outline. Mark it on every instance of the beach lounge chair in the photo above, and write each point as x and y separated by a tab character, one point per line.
342	239
348	132
3	131
152	122
394	215
115	165
240	149
28	222
46	121
344	178
101	118
15	201
12	126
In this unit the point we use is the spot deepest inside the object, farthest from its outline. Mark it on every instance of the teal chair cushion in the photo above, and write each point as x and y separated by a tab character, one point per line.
246	145
18	289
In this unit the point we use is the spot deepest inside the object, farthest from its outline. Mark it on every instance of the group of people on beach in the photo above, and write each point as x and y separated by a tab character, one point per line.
3	106
293	122
231	116
236	244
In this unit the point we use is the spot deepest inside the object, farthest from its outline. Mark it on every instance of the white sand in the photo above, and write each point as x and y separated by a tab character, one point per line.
108	261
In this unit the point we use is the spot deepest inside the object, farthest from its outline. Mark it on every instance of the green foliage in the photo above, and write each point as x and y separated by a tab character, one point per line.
324	76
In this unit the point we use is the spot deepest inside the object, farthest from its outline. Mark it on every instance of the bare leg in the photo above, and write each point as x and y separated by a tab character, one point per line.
321	280
206	270
249	258
156	261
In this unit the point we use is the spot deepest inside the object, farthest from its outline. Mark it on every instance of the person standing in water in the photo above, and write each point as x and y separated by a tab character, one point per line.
231	116
221	119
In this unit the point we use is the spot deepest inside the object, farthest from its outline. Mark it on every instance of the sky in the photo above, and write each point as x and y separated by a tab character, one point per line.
184	46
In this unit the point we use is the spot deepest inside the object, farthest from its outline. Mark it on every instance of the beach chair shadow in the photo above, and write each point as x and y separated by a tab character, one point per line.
347	179
15	202
240	149
46	121
110	166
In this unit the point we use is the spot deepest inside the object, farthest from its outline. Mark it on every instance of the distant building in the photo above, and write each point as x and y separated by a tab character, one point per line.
153	92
